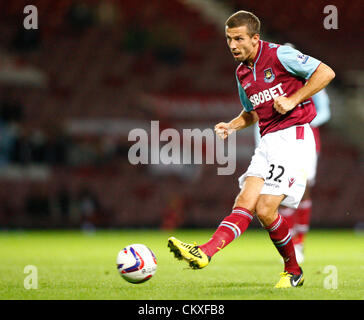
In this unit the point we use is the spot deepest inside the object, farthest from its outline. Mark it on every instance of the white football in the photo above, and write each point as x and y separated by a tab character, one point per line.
136	263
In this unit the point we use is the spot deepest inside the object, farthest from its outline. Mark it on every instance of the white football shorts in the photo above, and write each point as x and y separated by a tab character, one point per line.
285	160
311	176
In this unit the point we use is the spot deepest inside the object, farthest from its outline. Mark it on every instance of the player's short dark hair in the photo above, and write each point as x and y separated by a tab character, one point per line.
244	18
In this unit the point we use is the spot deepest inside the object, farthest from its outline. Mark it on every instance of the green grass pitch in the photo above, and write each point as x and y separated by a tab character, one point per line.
76	265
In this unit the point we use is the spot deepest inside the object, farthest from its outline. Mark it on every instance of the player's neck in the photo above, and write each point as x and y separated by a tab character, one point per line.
251	59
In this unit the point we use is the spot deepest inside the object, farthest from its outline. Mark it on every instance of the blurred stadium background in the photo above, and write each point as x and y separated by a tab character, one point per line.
71	91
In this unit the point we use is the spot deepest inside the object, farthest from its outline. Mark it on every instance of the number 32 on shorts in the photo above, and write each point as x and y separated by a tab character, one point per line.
276	172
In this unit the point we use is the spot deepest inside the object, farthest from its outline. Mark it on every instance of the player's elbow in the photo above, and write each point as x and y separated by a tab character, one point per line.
255	117
329	73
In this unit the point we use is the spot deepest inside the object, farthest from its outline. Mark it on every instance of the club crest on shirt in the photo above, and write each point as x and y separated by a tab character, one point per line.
269	75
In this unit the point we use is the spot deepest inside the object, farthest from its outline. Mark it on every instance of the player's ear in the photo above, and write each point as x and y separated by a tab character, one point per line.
255	39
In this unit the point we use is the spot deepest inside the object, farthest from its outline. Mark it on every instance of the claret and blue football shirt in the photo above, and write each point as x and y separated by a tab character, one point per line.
277	71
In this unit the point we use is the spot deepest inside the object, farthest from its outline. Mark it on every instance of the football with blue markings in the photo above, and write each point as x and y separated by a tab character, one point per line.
136	263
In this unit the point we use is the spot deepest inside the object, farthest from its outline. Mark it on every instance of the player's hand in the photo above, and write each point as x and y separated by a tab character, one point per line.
223	129
283	104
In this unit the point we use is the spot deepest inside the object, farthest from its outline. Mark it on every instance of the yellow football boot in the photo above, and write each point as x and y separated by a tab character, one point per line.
195	257
289	280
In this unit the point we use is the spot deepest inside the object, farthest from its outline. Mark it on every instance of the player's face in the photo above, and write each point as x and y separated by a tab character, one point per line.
242	46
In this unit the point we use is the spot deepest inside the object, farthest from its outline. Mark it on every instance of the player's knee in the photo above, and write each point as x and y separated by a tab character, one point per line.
264	212
244	201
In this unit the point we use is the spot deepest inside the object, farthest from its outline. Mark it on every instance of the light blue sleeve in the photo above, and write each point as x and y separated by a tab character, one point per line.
322	103
244	100
296	62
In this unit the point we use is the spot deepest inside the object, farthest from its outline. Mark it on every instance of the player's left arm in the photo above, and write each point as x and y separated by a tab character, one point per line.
322	103
318	76
319	80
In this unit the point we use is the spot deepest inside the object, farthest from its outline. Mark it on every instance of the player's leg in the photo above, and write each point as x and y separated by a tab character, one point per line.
289	215
302	218
231	227
278	230
302	215
298	221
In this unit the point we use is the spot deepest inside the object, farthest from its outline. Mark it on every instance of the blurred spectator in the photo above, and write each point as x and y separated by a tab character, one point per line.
63	199
136	39
7	142
167	44
173	214
27	40
80	15
22	146
38	146
7	211
90	209
11	114
57	149
21	152
107	14
37	202
11	109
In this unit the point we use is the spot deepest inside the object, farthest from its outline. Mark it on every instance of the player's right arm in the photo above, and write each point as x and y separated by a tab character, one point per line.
242	121
245	119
